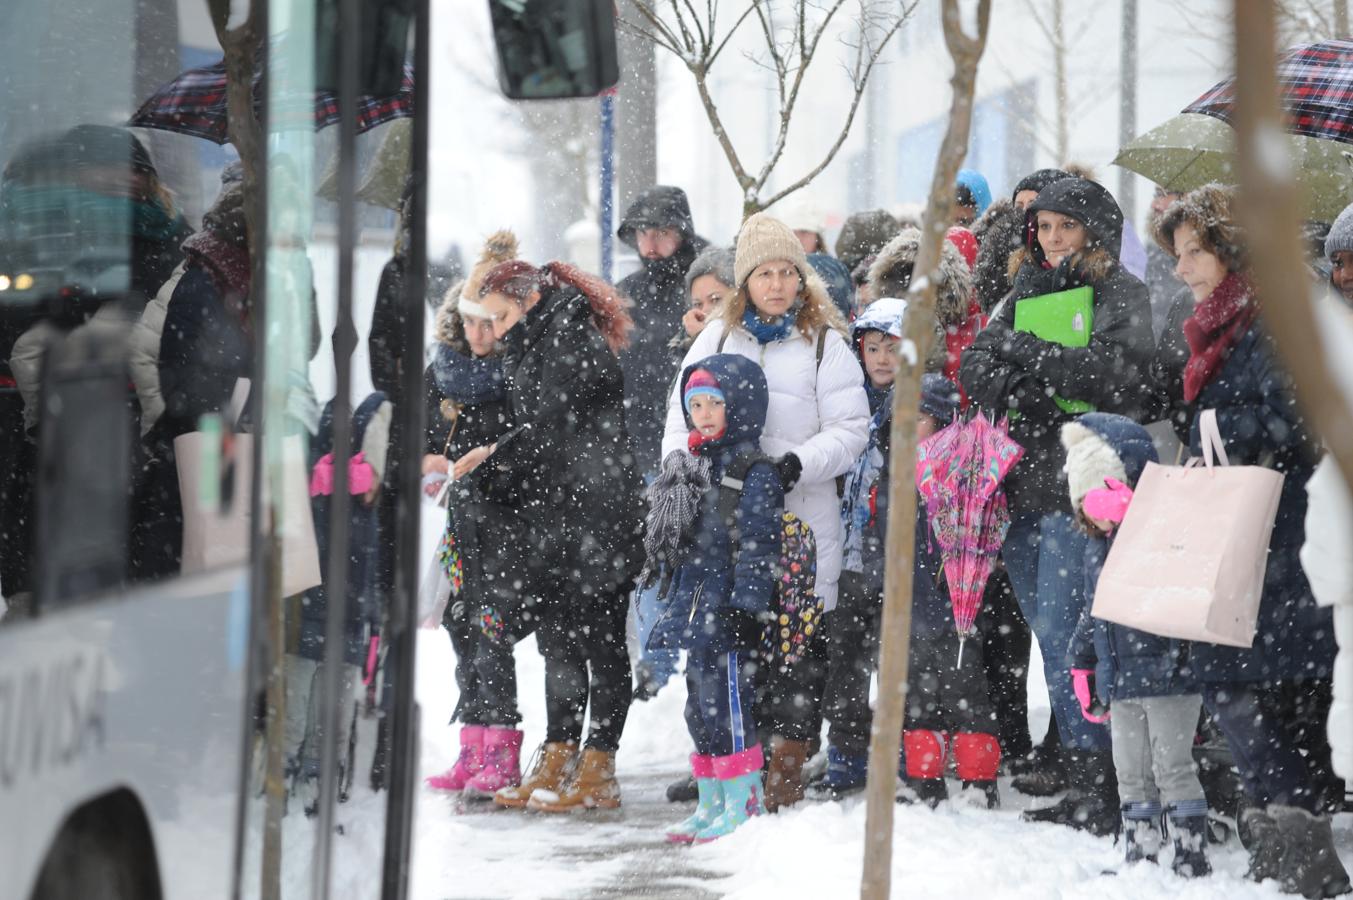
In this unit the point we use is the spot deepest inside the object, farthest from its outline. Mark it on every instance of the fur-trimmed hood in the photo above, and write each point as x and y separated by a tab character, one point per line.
1000	233
890	276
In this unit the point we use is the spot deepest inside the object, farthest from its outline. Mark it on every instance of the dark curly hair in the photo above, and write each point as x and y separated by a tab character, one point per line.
1210	211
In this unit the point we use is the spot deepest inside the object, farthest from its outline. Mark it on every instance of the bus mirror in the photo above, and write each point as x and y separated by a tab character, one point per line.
555	49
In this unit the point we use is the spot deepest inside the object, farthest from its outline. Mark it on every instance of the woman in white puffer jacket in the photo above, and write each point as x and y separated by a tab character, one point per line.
781	316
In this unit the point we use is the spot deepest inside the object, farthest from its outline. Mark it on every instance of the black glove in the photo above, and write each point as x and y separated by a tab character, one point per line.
1025	350
789	469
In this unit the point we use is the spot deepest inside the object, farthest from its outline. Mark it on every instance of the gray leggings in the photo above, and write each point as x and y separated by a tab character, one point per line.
1153	749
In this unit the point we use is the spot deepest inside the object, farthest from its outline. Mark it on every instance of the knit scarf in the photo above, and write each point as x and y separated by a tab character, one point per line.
673	504
1214	328
857	507
768	332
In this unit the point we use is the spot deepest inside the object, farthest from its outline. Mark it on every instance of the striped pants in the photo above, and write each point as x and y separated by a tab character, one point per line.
720	697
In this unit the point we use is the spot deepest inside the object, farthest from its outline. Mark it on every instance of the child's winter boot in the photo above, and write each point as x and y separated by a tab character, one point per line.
977	757
1188	822
784	777
925	754
468	764
1310	866
553	765
709	803
846	774
740	779
593	787
1141	832
502	764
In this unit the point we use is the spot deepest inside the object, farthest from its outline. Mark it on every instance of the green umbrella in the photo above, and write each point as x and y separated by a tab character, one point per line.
383	181
1191	150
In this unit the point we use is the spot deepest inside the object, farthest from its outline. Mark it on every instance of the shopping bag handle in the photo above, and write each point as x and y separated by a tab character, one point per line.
1210	436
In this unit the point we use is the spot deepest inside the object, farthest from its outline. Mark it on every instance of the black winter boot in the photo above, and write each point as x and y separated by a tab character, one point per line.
1046	775
1260	835
1141	832
984	793
1190	844
682	790
1092	803
1310	864
930	791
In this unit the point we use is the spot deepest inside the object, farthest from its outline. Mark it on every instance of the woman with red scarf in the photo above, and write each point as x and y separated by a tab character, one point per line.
1272	698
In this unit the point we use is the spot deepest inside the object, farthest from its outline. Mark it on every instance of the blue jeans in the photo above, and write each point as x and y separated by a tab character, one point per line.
661	663
1045	558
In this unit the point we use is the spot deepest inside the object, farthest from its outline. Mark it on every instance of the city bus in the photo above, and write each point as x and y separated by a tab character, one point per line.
195	673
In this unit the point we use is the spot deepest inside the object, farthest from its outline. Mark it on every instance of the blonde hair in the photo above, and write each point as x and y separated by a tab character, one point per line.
815	311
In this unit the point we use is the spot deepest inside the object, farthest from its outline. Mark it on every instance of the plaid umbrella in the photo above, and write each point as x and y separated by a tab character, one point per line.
1316	81
194	103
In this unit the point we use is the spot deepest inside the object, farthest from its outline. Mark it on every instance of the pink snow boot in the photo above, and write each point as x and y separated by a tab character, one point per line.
502	763
468	764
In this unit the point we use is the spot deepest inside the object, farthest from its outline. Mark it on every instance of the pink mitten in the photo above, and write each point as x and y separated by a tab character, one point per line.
1108	504
1082	683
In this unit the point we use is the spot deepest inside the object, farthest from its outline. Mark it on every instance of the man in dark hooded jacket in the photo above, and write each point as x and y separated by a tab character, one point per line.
658	226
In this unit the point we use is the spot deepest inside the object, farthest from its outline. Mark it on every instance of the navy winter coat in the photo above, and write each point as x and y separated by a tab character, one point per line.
1128	663
1260	424
714	602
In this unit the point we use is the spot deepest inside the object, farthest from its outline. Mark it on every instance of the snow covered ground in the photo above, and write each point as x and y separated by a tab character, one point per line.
813	850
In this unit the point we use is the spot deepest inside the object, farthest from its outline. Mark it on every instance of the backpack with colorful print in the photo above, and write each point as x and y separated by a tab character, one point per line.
795	608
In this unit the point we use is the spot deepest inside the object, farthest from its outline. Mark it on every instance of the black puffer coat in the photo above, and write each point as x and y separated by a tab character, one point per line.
1004	371
569	455
658	291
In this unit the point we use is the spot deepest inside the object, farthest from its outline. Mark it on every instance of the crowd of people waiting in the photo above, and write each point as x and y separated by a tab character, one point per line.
720	422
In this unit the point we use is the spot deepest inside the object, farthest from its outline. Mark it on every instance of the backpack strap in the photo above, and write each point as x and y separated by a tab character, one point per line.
723	339
821	344
730	487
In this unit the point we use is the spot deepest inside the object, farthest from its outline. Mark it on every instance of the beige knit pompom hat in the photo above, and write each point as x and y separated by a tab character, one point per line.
762	240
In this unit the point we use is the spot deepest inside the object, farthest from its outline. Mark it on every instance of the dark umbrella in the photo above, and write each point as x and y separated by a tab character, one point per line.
194	103
1316	81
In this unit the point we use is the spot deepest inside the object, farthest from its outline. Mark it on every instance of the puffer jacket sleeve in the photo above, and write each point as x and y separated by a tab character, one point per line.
993	384
758	523
675	431
842	412
1080	651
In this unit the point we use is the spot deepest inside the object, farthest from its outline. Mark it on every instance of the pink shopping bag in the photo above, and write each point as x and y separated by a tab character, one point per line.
1189	559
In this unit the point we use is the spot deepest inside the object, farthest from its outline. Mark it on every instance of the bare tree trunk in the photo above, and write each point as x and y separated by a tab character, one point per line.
1341	30
1127	104
636	102
1272	219
919	332
241	46
1058	26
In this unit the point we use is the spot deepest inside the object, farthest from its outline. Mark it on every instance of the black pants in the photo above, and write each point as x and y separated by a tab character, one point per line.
1278	740
945	693
789	699
1006	660
17	520
589	662
486	671
852	631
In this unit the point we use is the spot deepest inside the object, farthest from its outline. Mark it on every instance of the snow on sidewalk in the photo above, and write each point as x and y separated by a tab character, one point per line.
814	850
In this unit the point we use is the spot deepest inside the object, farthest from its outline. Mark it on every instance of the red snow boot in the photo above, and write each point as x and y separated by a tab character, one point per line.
468	764
502	764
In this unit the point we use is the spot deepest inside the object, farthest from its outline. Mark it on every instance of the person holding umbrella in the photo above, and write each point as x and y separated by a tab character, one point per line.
1074	228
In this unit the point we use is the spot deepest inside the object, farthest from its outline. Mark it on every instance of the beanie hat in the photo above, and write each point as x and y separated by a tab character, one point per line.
762	240
701	382
939	398
499	247
1090	460
716	261
965	241
1036	181
1341	233
864	234
976	185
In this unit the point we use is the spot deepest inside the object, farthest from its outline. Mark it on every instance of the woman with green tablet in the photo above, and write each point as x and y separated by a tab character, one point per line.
1075	334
